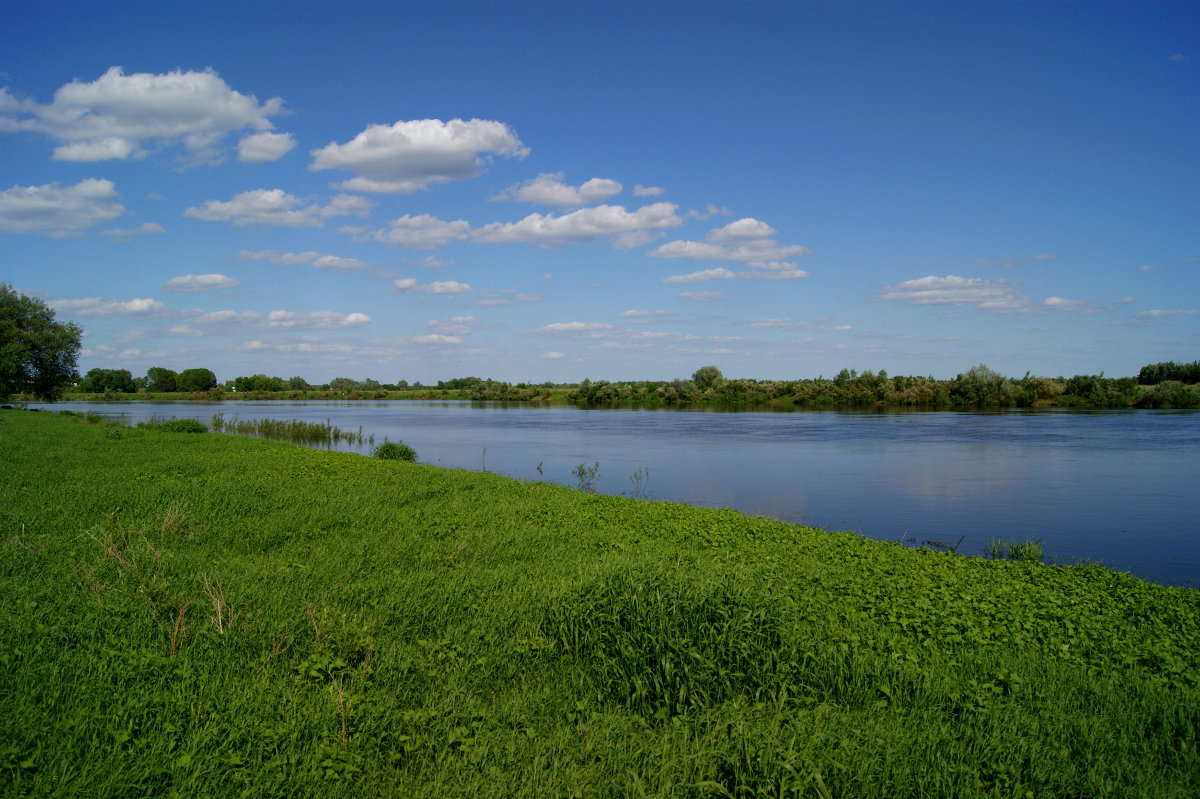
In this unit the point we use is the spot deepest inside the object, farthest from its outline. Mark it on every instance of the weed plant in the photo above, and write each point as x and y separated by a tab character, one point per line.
230	616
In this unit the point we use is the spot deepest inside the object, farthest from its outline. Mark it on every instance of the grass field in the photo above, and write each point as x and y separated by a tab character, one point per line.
188	614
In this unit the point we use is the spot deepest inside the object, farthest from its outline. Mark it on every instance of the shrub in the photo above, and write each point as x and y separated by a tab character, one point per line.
395	451
183	426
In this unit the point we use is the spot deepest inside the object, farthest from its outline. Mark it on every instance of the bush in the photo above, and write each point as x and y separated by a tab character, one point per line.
395	451
183	426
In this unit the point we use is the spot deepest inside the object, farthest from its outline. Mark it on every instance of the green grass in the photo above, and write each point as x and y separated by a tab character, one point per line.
215	615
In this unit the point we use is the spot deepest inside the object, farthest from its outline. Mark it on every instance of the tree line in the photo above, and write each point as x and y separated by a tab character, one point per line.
38	357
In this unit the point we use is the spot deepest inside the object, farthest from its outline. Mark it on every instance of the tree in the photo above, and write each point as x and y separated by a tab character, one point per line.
160	379
708	377
37	354
195	380
99	381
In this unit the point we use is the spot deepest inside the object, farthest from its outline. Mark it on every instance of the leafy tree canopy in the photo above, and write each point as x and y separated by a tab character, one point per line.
97	381
37	354
195	380
708	377
160	379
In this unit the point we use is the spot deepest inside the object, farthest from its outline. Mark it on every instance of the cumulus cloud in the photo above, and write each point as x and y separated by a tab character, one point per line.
548	188
720	273
117	115
422	232
277	207
998	296
574	329
56	210
314	259
98	306
586	224
193	283
413	155
258	148
646	191
321	320
746	240
409	284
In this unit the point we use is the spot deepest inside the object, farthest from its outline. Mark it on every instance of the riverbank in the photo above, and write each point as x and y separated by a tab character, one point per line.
212	614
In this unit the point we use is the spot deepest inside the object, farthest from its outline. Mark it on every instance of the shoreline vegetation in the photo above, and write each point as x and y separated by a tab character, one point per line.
1161	385
201	614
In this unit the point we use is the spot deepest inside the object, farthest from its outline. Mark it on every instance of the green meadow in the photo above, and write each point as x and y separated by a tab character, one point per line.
204	614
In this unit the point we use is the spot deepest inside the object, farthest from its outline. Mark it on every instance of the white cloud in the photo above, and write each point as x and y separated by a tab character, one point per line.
192	283
998	296
276	207
407	284
55	210
1147	268
125	234
433	338
409	156
116	115
314	259
258	148
186	330
422	232
446	287
323	320
574	329
586	224
745	240
646	191
548	188
720	273
552	356
97	306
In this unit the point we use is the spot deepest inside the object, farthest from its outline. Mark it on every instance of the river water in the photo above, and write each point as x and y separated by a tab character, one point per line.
1118	487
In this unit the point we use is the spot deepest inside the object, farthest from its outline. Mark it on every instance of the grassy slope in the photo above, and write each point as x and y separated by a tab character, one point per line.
212	615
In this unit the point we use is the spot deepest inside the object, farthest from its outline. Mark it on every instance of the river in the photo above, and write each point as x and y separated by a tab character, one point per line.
1117	487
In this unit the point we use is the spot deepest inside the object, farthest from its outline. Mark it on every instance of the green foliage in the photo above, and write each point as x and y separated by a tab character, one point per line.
1155	373
159	379
225	616
259	382
707	377
586	477
37	354
194	380
107	381
1006	549
395	451
182	426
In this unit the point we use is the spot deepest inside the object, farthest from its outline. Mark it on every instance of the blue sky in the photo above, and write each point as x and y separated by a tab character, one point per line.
616	190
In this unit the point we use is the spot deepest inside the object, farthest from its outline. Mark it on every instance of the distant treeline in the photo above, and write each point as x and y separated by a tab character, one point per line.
1159	385
978	387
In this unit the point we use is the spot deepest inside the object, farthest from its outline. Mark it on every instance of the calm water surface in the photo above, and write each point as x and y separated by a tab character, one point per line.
1120	487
